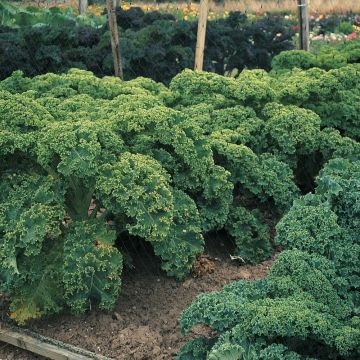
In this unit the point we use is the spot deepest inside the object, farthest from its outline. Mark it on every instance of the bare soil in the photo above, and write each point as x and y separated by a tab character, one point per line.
144	324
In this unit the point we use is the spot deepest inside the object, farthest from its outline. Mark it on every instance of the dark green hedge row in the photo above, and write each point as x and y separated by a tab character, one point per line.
152	45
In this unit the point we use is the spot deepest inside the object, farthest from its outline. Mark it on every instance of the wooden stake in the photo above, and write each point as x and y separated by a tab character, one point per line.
303	12
83	4
115	42
201	33
41	345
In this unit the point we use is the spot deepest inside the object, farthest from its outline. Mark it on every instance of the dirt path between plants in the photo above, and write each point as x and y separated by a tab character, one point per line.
144	323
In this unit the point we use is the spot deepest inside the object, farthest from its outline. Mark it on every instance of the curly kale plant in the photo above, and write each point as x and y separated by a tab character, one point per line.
333	95
83	161
325	57
251	234
272	147
307	307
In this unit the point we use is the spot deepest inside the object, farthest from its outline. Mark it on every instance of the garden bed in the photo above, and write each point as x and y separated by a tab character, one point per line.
144	323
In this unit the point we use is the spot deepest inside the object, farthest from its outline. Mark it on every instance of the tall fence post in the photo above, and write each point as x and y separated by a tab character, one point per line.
115	42
201	33
303	11
83	5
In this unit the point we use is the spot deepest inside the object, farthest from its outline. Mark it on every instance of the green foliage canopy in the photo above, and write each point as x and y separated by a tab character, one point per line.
88	162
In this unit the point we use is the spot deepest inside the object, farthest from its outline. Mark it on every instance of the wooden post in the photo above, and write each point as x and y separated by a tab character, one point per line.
41	345
303	12
83	4
201	33
115	42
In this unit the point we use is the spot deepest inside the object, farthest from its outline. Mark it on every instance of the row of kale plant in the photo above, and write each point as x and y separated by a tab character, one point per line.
308	306
87	162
